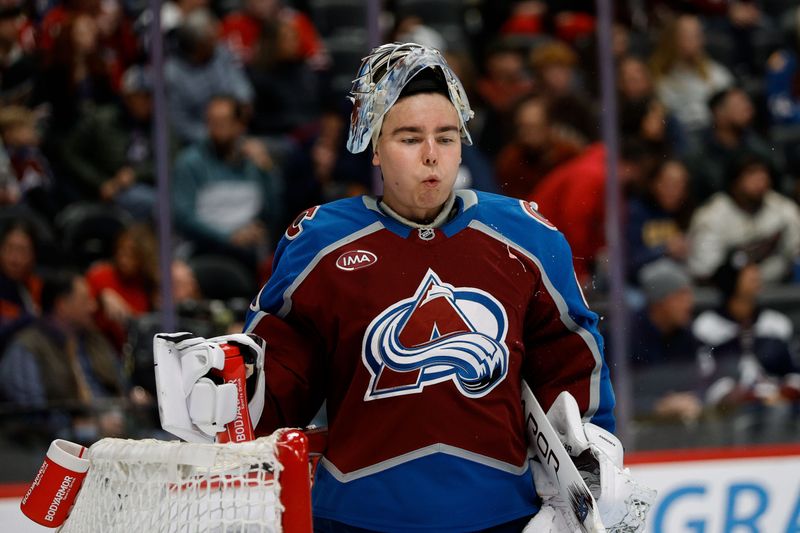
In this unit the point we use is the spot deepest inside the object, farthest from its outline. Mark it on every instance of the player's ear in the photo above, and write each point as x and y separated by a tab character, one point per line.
376	158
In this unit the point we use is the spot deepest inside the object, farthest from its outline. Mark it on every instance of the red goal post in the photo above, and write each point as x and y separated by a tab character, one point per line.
158	486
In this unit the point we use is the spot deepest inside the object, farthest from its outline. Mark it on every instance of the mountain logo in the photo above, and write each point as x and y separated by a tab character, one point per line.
442	333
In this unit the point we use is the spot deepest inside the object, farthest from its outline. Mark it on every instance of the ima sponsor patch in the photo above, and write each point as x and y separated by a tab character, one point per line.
355	259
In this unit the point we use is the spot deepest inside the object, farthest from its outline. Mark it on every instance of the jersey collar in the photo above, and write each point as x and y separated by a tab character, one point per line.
451	220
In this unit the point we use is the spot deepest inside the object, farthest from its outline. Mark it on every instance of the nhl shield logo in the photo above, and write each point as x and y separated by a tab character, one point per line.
442	333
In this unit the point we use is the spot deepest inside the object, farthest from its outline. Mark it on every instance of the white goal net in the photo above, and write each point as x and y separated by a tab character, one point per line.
152	486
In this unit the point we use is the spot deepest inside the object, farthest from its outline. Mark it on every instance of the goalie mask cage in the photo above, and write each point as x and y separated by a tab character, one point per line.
153	486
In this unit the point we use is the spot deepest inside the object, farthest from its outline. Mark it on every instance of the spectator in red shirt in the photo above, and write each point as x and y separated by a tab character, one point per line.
125	286
117	40
55	19
535	150
241	30
572	197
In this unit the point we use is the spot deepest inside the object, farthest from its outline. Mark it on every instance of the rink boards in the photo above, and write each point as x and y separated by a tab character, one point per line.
728	490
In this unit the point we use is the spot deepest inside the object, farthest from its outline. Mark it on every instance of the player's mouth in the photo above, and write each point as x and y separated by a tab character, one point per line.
431	181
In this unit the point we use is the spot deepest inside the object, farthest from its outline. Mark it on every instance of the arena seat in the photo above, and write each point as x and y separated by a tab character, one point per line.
89	231
222	278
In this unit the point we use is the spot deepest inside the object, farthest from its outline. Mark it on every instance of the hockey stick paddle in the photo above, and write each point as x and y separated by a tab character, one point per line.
581	513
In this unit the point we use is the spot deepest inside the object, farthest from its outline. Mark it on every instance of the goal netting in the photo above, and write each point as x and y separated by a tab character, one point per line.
152	486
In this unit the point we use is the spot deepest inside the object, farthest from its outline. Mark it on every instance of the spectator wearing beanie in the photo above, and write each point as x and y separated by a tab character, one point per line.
662	345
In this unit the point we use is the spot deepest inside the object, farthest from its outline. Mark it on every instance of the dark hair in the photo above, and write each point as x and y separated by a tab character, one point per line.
56	286
632	113
10	11
64	56
428	80
743	161
502	47
634	150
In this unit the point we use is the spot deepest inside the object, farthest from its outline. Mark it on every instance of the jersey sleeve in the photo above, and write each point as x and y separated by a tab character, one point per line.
564	349
295	382
293	366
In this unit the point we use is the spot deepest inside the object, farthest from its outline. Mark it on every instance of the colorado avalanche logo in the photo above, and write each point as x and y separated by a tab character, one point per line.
442	333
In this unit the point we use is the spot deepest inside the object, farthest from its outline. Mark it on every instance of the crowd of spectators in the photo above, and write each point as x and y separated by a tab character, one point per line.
709	124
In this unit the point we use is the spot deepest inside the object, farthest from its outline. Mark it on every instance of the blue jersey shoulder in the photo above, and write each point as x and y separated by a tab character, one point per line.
322	224
517	220
311	233
519	223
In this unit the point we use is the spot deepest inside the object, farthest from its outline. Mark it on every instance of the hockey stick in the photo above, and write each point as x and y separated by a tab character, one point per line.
580	513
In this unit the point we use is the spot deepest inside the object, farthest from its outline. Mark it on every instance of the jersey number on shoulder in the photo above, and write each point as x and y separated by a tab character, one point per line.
297	226
531	209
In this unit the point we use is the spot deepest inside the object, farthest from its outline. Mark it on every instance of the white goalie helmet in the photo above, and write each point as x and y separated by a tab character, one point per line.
383	75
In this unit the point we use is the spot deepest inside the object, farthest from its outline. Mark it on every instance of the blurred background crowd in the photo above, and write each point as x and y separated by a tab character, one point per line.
709	124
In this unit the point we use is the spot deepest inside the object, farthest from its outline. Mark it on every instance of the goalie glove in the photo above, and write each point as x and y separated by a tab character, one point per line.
193	403
622	502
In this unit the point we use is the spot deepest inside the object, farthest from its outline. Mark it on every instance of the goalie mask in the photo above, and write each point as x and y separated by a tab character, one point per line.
383	76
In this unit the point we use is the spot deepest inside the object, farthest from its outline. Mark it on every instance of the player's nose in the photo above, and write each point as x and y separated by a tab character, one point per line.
430	155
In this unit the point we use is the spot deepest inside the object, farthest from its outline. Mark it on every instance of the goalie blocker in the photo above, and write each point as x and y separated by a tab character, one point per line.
199	385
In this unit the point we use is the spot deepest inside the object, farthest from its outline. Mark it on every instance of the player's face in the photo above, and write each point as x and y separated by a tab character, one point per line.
419	152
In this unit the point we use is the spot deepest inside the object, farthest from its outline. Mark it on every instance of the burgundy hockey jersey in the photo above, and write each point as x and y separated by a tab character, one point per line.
418	340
